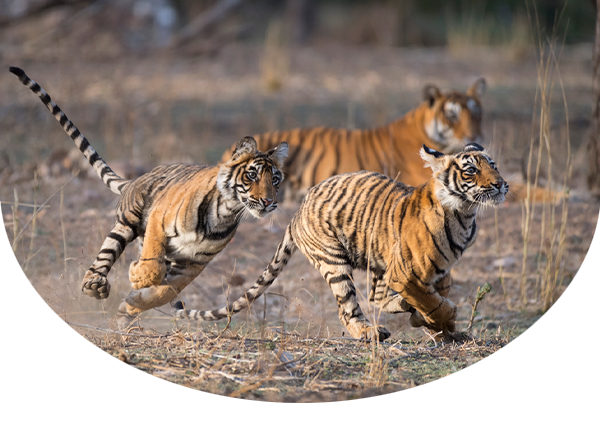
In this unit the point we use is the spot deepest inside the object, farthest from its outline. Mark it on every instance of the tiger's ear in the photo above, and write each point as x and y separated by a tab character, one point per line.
434	159
431	93
473	147
279	154
477	89
244	146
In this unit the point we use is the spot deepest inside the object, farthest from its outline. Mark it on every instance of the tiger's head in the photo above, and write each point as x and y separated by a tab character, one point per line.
453	119
252	178
466	179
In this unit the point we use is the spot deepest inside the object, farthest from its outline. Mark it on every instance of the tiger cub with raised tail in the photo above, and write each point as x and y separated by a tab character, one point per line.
183	215
409	238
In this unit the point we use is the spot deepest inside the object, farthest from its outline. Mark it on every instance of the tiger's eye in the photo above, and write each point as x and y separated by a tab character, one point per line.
251	176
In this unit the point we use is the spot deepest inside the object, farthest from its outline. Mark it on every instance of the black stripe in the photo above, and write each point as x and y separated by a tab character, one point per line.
453	245
435	243
433	310
93	158
220	235
116	236
84	145
438	271
108	251
343	299
457	216
338	279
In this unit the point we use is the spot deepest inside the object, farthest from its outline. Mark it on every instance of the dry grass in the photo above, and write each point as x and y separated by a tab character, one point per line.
553	230
287	366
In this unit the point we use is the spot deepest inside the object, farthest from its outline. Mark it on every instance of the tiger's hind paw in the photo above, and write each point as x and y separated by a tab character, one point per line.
96	286
368	331
382	333
143	274
123	318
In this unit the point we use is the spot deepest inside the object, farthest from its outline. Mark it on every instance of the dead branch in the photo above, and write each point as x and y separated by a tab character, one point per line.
25	378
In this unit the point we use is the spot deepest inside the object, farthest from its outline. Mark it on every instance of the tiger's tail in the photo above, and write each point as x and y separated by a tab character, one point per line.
284	251
110	178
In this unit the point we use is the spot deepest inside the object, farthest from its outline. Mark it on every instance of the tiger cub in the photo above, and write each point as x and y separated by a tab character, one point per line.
183	215
408	238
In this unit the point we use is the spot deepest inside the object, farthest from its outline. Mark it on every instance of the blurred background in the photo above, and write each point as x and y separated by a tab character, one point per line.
158	81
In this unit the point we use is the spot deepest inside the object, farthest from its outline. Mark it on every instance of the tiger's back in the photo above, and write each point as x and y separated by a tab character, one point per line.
443	121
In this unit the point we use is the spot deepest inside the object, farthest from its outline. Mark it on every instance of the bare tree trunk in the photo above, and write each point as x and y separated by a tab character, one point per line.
594	143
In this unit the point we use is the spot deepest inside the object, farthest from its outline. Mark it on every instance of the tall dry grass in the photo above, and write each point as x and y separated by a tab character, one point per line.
552	243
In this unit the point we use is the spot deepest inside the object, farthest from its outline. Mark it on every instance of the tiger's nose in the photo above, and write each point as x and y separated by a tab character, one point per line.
266	202
499	183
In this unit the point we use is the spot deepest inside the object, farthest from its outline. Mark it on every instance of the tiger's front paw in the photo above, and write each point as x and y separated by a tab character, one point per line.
95	286
442	322
145	273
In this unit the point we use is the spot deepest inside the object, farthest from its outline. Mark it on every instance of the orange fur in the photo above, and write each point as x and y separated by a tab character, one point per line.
443	121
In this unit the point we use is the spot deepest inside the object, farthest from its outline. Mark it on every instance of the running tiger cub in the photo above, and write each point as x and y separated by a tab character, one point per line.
409	238
443	121
183	215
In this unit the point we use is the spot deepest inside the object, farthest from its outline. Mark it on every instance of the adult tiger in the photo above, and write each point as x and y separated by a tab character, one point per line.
182	214
443	121
409	238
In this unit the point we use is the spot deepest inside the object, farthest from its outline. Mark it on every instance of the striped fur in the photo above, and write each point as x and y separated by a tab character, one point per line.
183	215
443	121
110	178
408	238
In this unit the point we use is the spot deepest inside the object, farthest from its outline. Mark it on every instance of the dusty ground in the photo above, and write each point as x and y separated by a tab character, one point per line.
139	112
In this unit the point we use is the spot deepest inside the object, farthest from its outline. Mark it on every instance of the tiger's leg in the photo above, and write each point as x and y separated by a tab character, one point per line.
435	312
339	278
387	299
151	267
443	288
179	275
94	282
